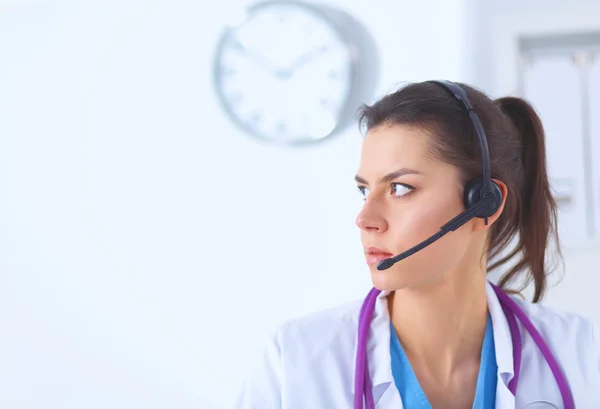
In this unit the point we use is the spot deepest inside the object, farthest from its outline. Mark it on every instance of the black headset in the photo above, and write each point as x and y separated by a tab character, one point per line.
482	195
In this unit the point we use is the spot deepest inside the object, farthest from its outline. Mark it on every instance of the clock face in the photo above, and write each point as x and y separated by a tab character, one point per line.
285	74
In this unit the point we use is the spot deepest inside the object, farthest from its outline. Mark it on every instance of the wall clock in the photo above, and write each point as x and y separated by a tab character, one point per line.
293	73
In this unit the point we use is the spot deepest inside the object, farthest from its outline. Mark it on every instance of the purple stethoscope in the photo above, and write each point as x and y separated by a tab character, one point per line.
362	383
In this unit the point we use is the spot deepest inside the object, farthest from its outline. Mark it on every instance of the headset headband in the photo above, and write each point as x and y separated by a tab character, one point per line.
460	94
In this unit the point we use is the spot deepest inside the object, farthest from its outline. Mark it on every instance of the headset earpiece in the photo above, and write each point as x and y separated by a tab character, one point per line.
472	195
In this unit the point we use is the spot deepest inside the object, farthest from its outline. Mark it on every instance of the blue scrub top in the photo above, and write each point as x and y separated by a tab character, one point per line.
411	392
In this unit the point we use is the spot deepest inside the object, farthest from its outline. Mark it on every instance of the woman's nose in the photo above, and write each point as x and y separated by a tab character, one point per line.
370	220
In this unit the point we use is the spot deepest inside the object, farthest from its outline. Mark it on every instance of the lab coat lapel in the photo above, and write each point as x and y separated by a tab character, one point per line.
390	399
385	395
504	351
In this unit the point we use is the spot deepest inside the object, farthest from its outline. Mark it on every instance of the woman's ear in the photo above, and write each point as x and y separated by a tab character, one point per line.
479	224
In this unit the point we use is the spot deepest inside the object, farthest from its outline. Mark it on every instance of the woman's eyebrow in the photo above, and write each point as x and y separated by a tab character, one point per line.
390	176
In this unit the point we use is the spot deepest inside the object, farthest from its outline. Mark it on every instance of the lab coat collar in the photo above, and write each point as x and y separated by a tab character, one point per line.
378	344
502	337
378	347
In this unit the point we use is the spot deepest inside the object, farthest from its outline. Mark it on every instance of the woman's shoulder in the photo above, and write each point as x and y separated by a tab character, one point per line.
300	355
321	327
573	340
556	320
567	331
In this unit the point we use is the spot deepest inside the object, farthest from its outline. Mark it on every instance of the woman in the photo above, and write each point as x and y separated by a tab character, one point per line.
440	335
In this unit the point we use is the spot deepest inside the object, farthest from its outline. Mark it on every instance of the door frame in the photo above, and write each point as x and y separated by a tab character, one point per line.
510	30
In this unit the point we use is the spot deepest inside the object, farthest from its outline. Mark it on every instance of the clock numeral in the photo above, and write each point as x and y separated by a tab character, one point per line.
281	127
325	103
237	45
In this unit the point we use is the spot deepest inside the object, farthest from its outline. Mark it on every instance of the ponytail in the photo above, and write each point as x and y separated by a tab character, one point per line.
535	207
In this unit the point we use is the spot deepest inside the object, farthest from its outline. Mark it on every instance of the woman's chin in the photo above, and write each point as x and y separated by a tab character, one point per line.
386	280
396	278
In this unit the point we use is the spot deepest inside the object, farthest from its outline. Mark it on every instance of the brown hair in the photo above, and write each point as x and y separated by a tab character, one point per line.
515	137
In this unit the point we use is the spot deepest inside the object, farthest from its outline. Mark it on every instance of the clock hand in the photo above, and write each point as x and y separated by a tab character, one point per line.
301	62
254	56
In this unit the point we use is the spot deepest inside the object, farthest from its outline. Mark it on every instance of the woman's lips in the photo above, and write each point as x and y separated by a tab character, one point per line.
375	255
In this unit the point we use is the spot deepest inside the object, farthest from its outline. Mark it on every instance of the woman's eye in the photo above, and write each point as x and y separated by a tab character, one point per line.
400	189
364	191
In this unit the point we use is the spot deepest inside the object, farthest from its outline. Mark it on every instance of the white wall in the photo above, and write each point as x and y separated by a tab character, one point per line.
147	246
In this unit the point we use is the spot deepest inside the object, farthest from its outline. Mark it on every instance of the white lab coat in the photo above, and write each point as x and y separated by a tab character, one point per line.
309	362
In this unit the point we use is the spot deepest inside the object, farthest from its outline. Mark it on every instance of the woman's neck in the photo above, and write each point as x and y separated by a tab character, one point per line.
441	325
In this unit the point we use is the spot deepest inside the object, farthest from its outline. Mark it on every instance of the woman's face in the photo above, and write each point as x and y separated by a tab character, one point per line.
408	196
